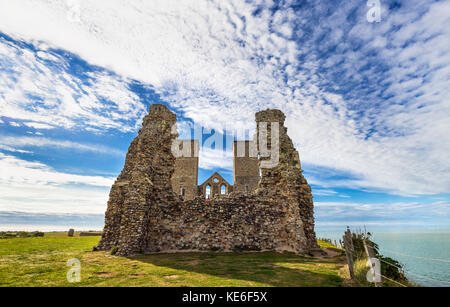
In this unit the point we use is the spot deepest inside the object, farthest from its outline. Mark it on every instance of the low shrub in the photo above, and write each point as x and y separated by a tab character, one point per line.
393	270
114	250
6	235
24	234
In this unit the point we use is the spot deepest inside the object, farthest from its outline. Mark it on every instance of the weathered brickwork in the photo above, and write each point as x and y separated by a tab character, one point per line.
245	167
185	176
145	215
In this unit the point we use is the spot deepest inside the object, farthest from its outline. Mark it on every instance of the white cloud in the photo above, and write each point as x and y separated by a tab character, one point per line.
17	171
324	192
211	159
14	124
28	141
45	198
46	93
35	187
11	149
38	125
219	63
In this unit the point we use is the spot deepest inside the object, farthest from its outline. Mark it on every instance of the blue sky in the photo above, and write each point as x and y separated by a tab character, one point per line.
367	103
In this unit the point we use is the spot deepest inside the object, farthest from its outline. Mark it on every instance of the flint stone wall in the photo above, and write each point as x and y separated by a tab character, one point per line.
247	223
144	215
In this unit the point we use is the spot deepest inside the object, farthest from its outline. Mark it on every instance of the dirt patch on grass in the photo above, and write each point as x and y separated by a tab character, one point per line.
137	275
193	263
266	265
332	253
105	274
172	276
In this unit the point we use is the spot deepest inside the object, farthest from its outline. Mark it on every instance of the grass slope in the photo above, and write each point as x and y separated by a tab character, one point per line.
42	262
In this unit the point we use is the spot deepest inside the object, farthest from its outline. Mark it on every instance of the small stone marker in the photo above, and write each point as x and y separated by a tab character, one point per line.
71	232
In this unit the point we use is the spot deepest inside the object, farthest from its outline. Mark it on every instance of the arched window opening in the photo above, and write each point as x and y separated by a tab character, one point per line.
208	192
223	189
183	192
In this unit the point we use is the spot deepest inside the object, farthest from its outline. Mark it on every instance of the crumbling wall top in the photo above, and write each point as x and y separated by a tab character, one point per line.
159	112
270	115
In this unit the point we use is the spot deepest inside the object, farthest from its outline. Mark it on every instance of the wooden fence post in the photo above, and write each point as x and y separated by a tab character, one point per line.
348	246
371	255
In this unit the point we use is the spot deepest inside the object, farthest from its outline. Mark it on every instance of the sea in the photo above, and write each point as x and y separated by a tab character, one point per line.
424	254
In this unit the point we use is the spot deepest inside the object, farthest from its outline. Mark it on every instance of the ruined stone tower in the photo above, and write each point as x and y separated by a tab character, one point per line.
143	188
245	167
146	215
185	177
281	172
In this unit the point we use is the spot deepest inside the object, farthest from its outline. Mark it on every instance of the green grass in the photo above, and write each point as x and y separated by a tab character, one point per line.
327	245
42	262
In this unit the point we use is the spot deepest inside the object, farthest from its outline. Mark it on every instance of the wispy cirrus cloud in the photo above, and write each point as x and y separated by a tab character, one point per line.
47	90
211	159
17	142
36	125
367	100
12	149
14	124
16	172
35	187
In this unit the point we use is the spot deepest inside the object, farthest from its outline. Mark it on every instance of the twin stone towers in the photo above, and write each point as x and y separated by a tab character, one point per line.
155	205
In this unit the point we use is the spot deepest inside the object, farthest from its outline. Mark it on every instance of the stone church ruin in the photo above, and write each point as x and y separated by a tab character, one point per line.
156	204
